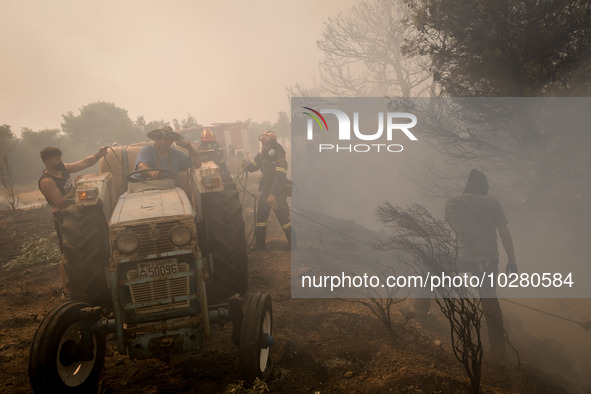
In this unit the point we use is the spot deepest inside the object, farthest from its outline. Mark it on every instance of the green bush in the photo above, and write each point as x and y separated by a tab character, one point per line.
35	251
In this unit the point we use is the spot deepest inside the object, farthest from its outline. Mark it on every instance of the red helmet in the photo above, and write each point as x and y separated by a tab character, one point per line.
207	135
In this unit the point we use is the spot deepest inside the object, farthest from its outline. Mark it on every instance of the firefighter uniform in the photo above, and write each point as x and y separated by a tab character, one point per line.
273	166
210	150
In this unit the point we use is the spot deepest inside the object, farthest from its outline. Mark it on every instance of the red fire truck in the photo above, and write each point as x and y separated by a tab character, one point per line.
233	137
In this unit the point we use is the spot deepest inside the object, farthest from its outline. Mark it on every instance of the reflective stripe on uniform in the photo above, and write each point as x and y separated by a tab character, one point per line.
286	225
261	224
281	169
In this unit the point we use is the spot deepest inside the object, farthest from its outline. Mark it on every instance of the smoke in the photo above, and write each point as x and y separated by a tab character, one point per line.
550	236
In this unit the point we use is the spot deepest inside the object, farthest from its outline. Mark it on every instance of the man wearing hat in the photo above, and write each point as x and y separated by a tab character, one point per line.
271	161
161	155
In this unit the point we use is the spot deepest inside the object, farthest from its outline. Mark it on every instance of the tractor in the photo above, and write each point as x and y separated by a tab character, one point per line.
153	263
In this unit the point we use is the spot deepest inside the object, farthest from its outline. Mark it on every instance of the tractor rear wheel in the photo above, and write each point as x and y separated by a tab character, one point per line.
85	245
223	237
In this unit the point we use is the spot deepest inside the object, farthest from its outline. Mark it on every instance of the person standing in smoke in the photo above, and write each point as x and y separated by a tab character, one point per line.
273	166
476	218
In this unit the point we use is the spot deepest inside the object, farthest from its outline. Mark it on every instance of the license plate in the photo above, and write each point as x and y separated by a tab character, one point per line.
152	269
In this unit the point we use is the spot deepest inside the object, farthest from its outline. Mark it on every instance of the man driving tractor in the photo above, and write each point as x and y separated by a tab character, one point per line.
162	155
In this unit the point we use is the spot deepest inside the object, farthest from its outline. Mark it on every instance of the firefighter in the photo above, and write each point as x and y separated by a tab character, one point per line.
210	150
273	166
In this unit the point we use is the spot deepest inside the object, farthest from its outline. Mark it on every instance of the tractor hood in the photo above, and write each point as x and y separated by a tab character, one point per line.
151	204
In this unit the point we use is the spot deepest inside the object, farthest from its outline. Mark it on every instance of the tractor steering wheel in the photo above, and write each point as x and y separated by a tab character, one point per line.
164	174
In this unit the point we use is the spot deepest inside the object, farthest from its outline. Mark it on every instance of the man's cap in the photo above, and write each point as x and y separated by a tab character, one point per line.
164	131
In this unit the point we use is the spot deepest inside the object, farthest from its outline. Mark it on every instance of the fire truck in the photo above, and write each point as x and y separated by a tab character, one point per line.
233	138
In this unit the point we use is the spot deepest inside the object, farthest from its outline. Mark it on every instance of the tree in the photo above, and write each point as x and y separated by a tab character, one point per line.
177	124
26	160
140	123
189	122
517	48
7	184
7	139
362	53
39	139
522	48
8	144
282	126
99	123
185	123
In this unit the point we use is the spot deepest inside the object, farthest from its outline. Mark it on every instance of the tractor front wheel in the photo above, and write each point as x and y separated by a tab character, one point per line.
55	364
256	337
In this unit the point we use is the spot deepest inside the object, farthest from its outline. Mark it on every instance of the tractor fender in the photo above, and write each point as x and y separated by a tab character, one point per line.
93	189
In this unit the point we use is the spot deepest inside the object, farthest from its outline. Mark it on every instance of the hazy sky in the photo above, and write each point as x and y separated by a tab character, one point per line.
220	61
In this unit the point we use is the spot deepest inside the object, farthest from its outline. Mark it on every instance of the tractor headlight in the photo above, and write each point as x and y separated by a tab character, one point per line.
127	243
181	235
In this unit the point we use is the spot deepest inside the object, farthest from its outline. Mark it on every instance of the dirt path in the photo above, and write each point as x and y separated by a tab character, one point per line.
322	345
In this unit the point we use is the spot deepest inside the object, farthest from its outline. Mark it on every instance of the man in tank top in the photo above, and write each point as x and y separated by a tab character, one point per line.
57	187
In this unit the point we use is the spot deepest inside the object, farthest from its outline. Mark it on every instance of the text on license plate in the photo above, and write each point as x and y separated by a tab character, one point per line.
153	269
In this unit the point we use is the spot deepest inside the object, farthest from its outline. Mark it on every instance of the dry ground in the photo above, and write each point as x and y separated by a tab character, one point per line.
322	345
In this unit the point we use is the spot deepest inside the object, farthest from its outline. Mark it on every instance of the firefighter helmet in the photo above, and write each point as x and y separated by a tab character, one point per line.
207	135
268	134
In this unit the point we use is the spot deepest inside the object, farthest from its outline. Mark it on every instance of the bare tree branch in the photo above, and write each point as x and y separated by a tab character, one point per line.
363	56
430	246
7	183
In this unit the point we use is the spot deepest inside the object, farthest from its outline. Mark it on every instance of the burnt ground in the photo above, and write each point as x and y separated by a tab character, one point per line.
322	345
